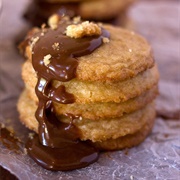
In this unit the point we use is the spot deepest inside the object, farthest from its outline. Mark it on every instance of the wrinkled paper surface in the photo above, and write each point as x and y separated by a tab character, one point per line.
158	156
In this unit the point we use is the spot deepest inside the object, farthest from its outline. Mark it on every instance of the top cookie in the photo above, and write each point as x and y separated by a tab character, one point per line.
122	56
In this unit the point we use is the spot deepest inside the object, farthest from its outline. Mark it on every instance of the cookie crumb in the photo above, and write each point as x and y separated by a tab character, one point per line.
31	135
76	19
84	29
55	46
47	59
105	40
53	21
33	42
43	28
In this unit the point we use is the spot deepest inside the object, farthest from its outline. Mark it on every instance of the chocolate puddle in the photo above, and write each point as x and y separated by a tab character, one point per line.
39	11
11	142
58	146
72	156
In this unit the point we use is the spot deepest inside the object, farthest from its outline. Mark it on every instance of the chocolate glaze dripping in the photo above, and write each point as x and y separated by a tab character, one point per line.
58	146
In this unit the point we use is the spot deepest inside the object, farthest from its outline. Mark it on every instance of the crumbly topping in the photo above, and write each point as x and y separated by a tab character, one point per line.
31	135
84	29
76	19
47	59
55	46
43	26
53	21
105	40
43	29
34	40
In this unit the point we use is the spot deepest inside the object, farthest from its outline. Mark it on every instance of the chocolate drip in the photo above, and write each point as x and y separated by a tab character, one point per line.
58	146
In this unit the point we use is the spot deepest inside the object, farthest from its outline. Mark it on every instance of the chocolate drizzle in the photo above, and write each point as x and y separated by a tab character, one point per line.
58	146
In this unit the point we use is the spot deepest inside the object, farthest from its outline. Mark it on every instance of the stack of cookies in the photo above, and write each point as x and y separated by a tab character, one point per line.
96	10
113	89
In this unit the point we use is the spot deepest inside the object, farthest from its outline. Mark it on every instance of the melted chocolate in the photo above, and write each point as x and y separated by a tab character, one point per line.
73	156
58	146
8	139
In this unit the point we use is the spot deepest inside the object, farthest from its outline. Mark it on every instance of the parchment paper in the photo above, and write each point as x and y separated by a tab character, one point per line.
158	156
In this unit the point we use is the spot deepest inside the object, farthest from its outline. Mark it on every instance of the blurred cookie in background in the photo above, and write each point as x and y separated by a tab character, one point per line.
114	12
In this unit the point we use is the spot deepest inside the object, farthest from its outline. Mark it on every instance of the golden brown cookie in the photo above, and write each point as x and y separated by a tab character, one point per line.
98	130
96	111
96	91
74	68
124	56
101	110
129	140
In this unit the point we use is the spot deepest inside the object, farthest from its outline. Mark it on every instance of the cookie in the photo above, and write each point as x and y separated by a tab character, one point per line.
96	10
99	130
127	141
122	57
96	111
101	110
96	91
88	85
